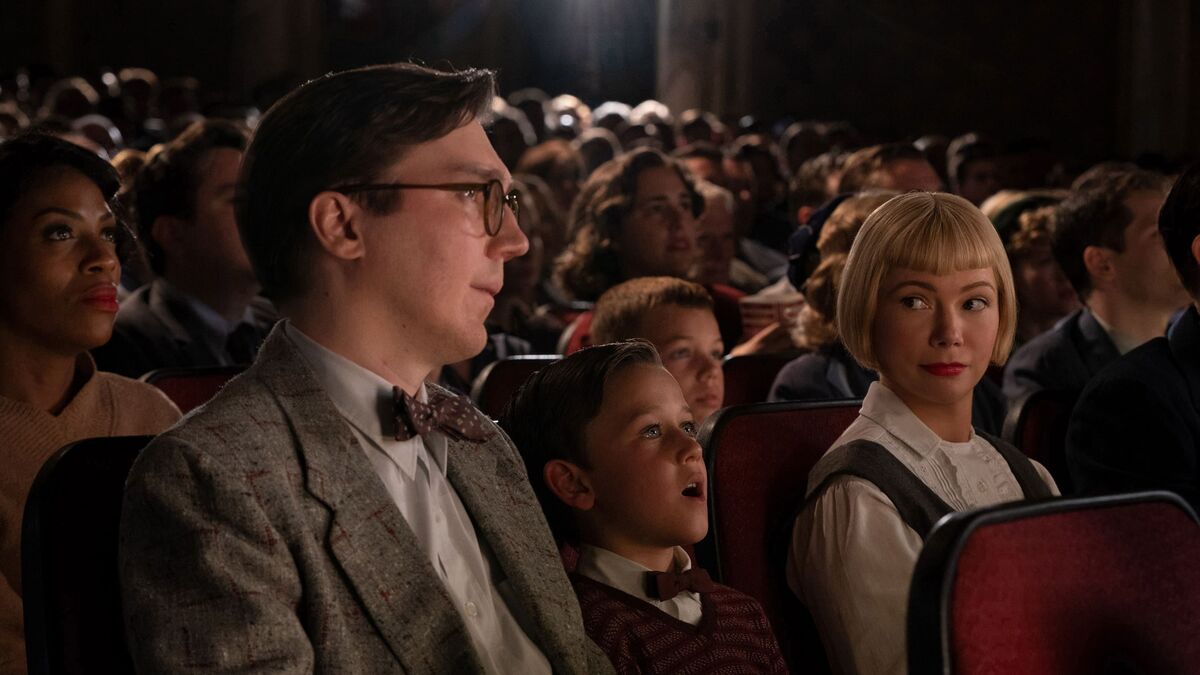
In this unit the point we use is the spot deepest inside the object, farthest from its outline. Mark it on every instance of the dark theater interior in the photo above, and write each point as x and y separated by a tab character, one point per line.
831	337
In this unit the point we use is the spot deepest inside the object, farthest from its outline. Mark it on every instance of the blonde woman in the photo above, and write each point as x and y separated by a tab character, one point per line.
927	301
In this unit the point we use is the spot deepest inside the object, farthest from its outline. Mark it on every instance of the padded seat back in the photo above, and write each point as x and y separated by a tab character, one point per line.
500	380
1060	587
748	378
69	582
758	460
1037	425
190	388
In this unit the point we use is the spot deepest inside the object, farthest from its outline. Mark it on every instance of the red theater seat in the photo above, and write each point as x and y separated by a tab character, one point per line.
499	380
748	378
69	581
1060	587
190	388
1037	425
758	460
577	334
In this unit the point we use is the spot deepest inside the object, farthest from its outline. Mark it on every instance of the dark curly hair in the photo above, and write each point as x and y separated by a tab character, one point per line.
590	265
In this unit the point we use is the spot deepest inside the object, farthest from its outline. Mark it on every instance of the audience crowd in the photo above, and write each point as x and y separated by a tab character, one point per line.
366	248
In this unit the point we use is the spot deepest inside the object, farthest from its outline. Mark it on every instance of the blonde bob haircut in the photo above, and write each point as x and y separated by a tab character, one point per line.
930	232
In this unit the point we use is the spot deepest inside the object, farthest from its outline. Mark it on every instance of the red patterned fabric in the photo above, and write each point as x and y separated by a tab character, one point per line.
733	635
760	463
1080	592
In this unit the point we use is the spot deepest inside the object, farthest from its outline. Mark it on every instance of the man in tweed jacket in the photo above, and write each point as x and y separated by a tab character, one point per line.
295	523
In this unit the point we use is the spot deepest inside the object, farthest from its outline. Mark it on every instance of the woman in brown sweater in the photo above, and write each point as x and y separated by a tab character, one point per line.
59	274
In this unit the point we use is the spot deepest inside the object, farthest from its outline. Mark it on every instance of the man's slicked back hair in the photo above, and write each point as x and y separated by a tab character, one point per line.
342	128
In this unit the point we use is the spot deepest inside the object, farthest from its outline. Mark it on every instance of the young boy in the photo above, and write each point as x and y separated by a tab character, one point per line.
610	445
676	316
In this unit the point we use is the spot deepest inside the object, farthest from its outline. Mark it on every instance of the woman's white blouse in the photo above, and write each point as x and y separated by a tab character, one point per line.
852	557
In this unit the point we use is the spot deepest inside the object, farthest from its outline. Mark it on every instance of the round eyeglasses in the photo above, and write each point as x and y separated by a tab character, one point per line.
494	197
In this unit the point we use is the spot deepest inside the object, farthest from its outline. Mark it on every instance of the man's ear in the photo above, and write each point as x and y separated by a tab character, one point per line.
1098	261
336	221
569	483
804	213
167	232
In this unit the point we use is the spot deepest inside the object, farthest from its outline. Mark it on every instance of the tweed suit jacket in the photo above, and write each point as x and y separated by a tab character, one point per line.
257	536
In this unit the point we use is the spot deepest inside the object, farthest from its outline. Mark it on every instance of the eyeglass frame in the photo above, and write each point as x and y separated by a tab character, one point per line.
512	198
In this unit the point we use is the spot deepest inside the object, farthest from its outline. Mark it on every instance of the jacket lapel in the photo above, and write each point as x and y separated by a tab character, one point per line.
492	485
368	537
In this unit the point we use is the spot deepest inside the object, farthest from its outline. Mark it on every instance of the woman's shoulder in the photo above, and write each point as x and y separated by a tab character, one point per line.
140	408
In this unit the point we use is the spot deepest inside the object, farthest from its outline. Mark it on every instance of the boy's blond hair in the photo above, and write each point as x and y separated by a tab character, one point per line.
930	232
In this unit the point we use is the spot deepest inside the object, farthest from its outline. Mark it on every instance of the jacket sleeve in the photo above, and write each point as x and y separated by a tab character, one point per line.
207	582
1126	435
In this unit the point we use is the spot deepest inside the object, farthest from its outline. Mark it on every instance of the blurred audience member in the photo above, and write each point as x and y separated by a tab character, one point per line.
557	163
1044	296
893	166
70	98
59	248
717	241
510	132
697	126
202	310
1106	240
676	316
935	147
635	217
595	147
1137	425
972	164
800	142
536	106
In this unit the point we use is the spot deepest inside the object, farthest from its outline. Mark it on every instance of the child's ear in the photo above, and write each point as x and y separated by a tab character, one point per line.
569	483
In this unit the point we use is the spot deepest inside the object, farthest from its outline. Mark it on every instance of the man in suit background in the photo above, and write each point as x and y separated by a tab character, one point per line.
203	309
1105	238
328	511
1137	425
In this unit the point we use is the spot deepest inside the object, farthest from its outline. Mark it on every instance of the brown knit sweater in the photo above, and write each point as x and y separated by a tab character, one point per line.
106	405
733	636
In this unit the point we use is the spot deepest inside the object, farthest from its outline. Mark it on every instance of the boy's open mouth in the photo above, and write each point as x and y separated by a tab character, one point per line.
692	490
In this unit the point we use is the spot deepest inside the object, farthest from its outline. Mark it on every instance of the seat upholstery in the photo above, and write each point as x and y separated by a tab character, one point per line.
1037	425
70	587
189	388
758	460
748	378
500	380
1063	587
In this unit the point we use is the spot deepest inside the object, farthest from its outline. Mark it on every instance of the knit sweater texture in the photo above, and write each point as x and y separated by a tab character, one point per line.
733	636
106	405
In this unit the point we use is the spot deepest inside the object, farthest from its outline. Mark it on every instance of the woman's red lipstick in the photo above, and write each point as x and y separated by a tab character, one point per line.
944	369
103	298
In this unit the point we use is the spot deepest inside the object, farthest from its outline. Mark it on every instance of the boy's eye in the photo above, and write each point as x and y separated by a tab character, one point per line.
680	354
717	354
109	234
689	428
975	304
652	431
914	302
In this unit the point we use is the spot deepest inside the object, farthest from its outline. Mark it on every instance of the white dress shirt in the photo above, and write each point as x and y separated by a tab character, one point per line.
414	474
627	576
852	557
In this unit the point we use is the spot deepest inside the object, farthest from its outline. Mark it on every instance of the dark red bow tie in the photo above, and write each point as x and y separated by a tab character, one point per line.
666	585
454	416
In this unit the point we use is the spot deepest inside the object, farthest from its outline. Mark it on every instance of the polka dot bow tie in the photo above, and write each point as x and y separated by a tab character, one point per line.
454	416
666	585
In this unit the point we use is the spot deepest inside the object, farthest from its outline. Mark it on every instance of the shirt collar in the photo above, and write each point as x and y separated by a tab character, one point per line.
1121	341
365	400
883	407
621	573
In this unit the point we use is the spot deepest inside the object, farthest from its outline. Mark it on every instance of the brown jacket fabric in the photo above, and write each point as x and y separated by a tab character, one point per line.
257	536
106	405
